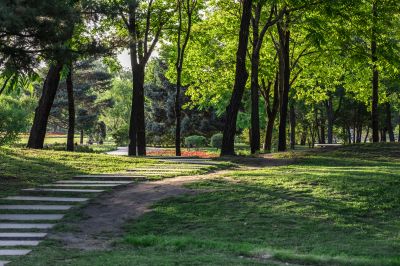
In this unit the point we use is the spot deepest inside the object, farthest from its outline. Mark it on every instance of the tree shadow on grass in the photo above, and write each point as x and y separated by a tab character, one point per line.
297	221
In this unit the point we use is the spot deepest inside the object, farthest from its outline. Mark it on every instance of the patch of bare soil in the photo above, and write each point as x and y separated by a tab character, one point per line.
106	215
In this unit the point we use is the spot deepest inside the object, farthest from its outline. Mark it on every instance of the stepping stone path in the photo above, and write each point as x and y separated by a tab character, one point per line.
31	217
36	207
63	190
15	227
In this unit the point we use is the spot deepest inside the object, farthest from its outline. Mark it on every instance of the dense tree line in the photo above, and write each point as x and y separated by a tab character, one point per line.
287	72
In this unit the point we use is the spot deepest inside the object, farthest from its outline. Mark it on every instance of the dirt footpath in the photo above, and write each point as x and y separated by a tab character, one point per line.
107	214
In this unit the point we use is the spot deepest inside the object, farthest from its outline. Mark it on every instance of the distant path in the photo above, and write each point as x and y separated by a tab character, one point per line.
123	151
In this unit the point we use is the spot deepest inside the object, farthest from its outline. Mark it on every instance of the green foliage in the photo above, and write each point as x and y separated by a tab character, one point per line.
195	141
120	135
14	118
216	141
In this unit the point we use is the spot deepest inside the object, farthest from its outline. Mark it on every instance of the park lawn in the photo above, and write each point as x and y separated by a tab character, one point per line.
329	208
20	168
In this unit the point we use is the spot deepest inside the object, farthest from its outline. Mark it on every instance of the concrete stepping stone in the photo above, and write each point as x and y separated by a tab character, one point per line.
36	207
14	252
81	185
3	262
63	190
110	177
18	243
25	226
55	199
93	182
22	236
31	217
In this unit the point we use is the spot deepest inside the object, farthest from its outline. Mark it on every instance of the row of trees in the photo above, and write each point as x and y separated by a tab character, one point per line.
329	69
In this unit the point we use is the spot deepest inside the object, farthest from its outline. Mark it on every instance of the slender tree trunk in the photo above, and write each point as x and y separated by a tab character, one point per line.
255	64
349	134
389	124
81	137
322	129
292	127
317	125
383	135
359	133
71	111
366	135
228	141
38	130
330	116
178	113
285	61
268	133
190	6
375	78
271	113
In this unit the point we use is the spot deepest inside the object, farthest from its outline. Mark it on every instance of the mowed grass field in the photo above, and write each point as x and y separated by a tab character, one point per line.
337	207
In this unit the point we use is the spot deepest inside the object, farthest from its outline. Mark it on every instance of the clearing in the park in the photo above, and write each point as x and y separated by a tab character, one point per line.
200	132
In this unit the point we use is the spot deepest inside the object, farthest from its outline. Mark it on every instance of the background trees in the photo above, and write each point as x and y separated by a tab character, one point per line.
328	70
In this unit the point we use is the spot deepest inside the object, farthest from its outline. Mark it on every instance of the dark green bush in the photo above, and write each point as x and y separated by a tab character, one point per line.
195	141
216	141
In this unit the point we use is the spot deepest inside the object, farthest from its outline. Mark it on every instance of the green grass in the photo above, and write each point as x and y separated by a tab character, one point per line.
338	207
21	168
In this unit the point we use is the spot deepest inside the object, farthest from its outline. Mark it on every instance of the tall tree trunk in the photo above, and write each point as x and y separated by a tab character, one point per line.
271	111
359	132
375	77
284	59
81	137
255	64
330	116
137	134
322	129
317	126
241	75
71	111
38	130
389	124
292	127
190	6
349	133
383	135
366	135
178	113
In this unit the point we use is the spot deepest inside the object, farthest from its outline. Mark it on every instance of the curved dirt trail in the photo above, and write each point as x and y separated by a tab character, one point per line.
105	216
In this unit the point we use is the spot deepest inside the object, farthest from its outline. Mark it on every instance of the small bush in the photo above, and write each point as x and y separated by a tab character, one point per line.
14	119
195	141
216	141
121	136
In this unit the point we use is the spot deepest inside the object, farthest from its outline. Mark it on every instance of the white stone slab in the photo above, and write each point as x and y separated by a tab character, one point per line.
159	170
81	185
3	262
14	252
22	235
109	176
31	217
36	207
63	190
55	199
25	226
17	243
93	182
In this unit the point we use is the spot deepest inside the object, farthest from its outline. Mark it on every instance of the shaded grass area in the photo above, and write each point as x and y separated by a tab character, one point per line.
333	207
20	168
